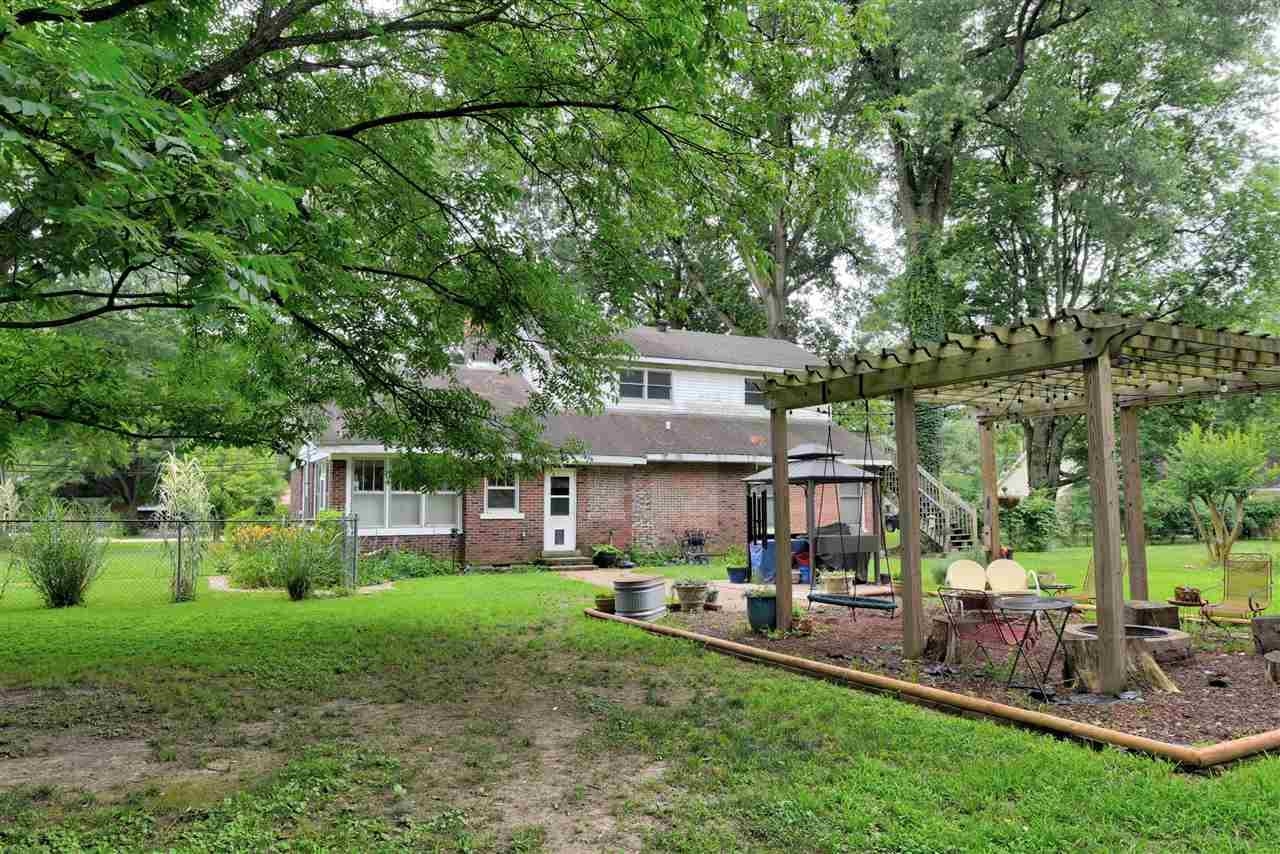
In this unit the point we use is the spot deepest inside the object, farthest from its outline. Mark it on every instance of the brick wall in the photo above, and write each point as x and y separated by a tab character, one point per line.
295	491
441	545
604	507
668	499
338	485
504	541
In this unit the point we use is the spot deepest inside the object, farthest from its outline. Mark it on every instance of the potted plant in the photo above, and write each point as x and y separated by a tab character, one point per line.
604	602
605	555
692	592
1190	595
739	574
762	608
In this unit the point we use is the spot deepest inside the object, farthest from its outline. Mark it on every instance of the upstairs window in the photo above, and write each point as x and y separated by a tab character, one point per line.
636	384
752	395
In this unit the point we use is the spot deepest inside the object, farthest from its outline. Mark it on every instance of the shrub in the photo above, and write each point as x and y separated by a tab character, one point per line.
305	558
1031	525
392	564
736	555
62	554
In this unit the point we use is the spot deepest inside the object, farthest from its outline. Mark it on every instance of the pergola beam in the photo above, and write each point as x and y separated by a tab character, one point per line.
990	361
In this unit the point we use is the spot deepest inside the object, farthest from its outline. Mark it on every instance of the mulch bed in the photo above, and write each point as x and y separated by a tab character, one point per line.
1224	691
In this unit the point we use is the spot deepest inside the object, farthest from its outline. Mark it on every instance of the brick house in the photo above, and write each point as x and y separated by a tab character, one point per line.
685	425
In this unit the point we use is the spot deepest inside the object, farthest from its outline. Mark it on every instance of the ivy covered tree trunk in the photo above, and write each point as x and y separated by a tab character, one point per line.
924	315
1044	440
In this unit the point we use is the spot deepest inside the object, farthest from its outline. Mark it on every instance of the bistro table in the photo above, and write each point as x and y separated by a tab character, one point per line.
1194	618
1030	610
1055	589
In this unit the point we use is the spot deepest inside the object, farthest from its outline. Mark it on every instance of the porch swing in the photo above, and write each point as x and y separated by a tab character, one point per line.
814	465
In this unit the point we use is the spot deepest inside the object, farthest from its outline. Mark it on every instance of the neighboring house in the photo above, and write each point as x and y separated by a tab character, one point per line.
684	426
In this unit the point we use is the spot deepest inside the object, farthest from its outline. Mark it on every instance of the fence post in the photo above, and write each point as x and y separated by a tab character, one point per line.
176	581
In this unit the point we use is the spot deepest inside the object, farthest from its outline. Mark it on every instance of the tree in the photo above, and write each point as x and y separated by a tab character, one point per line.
221	216
1218	470
949	71
241	480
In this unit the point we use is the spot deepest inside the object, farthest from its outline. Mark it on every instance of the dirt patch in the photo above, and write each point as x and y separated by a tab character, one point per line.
1224	693
112	767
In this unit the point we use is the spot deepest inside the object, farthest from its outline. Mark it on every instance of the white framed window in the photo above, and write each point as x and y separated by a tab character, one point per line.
502	497
381	503
637	384
322	485
751	394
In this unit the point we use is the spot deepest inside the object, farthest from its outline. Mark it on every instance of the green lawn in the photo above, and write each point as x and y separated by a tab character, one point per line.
486	714
1168	566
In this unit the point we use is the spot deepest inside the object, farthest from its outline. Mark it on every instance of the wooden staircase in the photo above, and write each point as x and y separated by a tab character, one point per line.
948	522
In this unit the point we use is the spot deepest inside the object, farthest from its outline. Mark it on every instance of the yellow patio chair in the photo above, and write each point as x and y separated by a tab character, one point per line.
966	575
1246	590
1009	576
1088	591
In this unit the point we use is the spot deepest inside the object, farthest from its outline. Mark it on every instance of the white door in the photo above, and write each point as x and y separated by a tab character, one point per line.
560	532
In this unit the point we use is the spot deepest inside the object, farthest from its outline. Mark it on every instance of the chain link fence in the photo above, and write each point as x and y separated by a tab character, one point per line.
44	562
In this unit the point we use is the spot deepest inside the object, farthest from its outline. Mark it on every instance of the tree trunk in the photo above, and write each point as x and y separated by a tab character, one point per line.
1044	439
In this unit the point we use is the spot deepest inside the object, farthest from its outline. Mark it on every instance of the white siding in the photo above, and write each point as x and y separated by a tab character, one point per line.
704	392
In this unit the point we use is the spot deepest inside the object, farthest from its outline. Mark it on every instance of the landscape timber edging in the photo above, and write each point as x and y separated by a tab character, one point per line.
1193	757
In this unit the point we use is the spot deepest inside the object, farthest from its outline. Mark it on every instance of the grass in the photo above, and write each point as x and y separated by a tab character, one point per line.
1168	566
427	718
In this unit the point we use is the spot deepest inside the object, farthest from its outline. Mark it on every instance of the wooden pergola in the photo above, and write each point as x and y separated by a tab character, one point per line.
1076	362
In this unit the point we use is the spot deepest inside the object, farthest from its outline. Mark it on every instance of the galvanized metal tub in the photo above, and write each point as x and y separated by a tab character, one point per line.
642	597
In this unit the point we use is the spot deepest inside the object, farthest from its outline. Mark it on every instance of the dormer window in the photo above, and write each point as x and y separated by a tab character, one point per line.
637	384
752	395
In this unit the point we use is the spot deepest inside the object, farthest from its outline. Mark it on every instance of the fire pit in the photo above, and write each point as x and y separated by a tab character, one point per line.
1144	648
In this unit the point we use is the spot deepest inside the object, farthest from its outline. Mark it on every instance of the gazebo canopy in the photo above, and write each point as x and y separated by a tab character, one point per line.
1036	367
812	470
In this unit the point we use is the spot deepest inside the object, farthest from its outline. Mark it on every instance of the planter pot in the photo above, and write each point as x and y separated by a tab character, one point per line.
605	560
739	574
604	603
762	613
837	584
885	578
691	596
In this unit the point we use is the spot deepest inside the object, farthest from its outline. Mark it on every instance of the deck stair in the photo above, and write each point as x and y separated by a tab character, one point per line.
947	521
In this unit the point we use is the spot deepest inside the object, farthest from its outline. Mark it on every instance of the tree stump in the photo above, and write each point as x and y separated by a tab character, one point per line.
1082	664
1266	634
1138	612
943	645
1273	667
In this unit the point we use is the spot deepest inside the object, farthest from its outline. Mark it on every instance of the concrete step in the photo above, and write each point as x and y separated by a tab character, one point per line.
562	559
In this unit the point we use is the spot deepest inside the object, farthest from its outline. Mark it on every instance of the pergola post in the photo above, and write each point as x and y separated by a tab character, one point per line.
908	460
1135	535
1104	491
990	500
781	516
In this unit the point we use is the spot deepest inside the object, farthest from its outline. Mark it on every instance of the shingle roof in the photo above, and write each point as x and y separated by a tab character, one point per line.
713	347
637	434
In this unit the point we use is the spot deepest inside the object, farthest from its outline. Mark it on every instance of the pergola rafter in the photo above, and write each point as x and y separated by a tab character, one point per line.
1075	363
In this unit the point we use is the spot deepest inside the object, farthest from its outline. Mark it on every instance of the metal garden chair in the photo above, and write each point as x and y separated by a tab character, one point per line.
1246	591
972	617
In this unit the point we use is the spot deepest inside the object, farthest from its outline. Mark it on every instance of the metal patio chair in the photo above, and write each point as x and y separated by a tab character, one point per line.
972	617
1246	591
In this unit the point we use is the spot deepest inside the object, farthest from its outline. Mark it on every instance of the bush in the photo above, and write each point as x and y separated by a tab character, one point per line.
1032	524
305	558
392	564
62	554
1260	517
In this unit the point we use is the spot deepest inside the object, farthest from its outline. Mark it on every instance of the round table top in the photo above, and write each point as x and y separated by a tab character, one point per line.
1185	604
1033	603
1057	587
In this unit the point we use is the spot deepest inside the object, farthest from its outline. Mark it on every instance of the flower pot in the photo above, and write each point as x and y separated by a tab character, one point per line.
691	596
605	604
739	574
838	584
604	560
762	613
